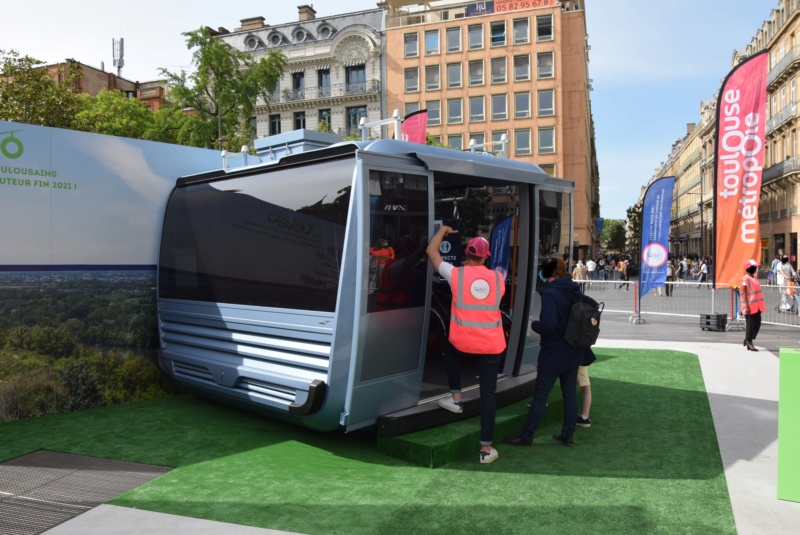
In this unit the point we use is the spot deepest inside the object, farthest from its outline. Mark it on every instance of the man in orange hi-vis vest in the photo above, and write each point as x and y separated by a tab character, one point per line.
476	329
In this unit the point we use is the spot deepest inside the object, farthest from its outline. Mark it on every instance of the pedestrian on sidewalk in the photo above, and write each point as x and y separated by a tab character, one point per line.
623	275
476	329
670	277
752	304
591	268
785	280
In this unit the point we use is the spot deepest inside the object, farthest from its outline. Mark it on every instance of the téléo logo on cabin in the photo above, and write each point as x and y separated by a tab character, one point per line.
10	146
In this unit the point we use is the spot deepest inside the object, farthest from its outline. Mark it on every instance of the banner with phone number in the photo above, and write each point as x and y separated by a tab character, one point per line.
502	6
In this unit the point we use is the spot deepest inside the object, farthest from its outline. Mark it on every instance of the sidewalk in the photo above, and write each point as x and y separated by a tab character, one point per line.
742	389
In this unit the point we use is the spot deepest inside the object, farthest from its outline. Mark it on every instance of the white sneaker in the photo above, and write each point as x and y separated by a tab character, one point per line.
450	404
489	456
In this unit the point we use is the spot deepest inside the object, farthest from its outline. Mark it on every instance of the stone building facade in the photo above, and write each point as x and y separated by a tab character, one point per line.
334	73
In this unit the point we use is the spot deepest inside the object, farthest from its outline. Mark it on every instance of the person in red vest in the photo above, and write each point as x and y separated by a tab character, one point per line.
476	329
752	304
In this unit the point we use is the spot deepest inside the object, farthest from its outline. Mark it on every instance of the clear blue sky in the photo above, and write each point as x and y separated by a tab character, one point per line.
652	63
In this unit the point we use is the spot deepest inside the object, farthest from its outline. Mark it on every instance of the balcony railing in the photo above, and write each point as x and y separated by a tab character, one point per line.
327	91
778	170
784	64
784	115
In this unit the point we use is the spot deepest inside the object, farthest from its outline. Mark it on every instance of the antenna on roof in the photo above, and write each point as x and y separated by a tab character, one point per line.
118	46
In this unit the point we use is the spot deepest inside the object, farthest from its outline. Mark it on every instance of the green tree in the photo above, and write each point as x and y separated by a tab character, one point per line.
613	235
223	90
30	93
429	140
635	225
112	113
323	126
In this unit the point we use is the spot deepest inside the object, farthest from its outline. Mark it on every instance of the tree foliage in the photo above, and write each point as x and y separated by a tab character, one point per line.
223	89
32	94
613	235
112	113
635	225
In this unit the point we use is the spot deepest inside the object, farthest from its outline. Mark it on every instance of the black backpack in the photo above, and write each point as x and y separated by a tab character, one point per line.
583	324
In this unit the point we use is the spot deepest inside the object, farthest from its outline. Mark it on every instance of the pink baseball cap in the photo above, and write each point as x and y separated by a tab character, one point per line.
751	263
478	247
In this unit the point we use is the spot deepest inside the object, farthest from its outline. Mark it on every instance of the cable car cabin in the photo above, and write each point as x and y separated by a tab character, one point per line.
300	288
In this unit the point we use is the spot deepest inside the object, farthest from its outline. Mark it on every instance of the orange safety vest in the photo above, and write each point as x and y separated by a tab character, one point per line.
383	255
754	297
475	322
393	296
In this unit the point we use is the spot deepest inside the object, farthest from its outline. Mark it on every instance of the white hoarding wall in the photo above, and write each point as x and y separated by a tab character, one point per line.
75	198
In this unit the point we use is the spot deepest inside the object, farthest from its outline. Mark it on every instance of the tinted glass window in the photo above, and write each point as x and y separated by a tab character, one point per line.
398	238
273	239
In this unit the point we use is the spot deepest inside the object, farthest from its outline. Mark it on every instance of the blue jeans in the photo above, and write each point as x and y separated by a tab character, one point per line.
488	366
544	384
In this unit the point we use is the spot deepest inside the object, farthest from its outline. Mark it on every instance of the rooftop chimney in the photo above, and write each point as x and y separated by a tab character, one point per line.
222	30
690	127
306	12
253	23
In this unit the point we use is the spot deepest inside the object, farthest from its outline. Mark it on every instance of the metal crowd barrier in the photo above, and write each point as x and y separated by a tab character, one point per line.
692	299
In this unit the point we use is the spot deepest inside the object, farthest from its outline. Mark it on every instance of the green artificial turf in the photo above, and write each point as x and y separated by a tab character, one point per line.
649	464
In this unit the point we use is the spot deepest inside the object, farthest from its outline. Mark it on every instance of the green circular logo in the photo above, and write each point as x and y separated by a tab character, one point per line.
11	147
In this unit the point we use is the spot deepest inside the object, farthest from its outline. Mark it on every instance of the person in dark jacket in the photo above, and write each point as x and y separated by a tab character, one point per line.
557	359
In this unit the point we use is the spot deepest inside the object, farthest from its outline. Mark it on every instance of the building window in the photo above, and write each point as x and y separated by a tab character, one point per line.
521	33
497	137
549	168
431	42
522	105
498	30
253	127
436	139
477	110
544	65
432	81
354	116
479	139
454	39
522	68
498	70
792	90
324	82
455	141
411	45
434	108
544	28
522	142
275	124
324	123
298	84
499	107
453	75
454	111
299	120
412	80
546	105
298	81
475	36
411	107
356	78
547	140
476	72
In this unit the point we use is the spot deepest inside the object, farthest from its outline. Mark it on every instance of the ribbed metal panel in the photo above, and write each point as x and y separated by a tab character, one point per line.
271	359
45	488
